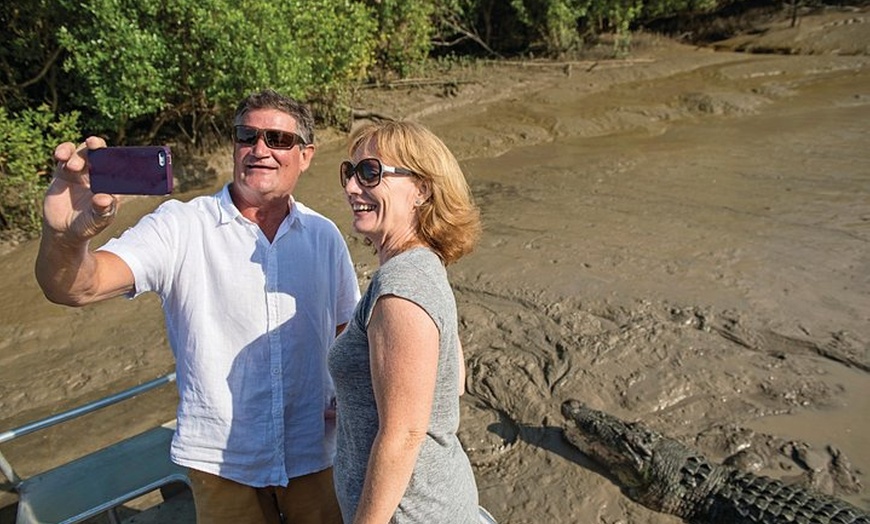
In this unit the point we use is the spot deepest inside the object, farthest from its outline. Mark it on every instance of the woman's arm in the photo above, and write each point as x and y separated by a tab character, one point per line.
403	343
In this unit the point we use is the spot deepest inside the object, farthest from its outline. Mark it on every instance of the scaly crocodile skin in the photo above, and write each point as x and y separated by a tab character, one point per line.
666	476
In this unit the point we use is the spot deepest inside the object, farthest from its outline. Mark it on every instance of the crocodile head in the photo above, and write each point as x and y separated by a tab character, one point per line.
619	446
645	463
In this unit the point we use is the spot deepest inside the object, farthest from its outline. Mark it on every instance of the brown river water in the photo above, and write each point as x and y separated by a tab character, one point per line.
681	238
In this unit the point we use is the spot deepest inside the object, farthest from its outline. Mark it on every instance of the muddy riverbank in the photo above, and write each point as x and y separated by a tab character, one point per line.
680	237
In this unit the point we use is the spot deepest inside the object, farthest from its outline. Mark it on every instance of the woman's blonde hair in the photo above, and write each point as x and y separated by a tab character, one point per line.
448	221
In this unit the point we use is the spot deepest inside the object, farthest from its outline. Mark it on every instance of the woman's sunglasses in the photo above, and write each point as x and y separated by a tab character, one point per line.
275	139
369	172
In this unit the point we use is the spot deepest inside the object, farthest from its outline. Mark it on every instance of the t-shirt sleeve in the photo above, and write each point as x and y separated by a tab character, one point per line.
421	284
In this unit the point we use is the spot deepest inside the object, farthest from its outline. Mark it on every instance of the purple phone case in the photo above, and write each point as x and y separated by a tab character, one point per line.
135	170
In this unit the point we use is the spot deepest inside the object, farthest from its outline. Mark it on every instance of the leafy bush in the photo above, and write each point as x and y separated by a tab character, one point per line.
150	71
617	16
403	33
30	55
337	41
122	60
149	63
26	162
661	8
554	21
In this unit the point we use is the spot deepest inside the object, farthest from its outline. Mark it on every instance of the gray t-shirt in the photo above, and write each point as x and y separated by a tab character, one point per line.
442	487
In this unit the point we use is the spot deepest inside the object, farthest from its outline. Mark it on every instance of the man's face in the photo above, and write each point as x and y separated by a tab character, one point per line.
260	171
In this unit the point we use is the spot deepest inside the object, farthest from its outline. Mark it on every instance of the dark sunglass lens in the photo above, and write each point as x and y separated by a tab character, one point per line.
246	135
346	171
280	139
369	171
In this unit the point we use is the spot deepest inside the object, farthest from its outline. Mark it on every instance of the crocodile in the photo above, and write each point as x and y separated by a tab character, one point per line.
666	476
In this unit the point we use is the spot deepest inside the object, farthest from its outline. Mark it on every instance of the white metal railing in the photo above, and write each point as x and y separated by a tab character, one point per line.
52	420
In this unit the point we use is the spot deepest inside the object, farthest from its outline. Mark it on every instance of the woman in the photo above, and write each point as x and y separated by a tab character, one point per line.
398	366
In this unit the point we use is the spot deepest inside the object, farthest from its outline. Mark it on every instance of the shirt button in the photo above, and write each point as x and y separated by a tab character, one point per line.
275	371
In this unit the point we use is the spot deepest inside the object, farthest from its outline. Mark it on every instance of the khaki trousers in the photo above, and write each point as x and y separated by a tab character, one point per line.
309	499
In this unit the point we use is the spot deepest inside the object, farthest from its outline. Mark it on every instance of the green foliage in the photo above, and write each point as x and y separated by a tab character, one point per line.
472	27
554	22
561	34
29	139
121	57
618	16
30	54
562	25
142	71
188	62
148	71
403	35
657	8
336	40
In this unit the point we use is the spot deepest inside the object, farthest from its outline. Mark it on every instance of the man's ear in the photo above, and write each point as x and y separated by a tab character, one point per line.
305	156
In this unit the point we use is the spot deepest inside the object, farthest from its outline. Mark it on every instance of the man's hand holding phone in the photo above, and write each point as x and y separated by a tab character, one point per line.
82	199
70	209
67	270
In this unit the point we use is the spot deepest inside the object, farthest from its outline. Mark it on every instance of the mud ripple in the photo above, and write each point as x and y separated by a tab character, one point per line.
825	469
722	103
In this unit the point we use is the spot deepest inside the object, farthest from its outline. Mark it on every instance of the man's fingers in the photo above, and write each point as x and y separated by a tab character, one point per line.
64	152
107	212
73	158
104	208
95	142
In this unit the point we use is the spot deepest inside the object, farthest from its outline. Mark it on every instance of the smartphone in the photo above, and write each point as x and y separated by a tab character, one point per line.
131	170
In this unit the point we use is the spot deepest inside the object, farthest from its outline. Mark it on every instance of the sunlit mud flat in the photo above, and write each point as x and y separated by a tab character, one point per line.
679	238
690	250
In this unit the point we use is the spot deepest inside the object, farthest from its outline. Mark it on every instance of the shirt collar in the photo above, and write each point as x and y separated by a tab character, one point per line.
229	211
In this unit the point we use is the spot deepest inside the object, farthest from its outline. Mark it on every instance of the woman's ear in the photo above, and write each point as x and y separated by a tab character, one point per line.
424	191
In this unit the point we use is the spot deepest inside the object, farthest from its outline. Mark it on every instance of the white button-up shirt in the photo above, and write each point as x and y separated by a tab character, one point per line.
250	323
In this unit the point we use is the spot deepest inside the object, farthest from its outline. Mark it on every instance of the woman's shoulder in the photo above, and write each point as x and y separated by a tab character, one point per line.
418	264
421	258
414	274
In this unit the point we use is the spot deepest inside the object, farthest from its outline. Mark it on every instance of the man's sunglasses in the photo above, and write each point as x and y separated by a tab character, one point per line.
369	172
275	139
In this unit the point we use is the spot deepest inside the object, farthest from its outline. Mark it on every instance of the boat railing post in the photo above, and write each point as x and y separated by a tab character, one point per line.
47	422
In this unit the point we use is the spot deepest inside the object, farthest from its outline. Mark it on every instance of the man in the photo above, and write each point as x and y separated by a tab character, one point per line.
254	287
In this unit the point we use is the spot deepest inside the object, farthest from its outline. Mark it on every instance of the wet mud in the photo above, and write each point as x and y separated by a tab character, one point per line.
679	238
